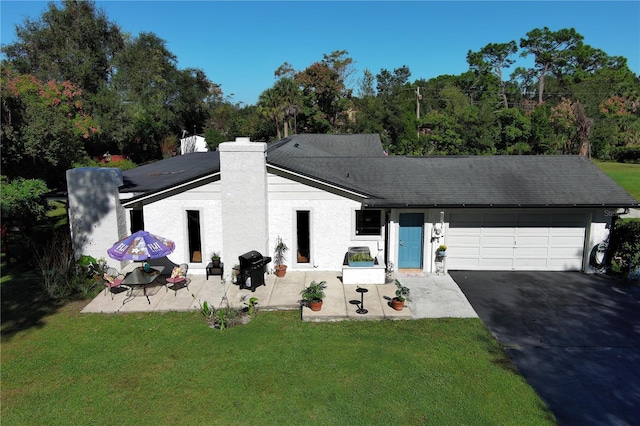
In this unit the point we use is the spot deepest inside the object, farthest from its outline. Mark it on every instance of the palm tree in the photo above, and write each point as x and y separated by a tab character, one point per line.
268	107
288	99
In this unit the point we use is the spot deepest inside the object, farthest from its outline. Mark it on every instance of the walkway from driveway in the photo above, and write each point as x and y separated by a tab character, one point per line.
432	296
574	337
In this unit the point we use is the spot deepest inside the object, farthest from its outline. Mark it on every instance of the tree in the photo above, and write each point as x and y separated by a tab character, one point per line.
22	200
44	127
161	99
492	59
398	110
269	109
326	98
288	99
552	51
514	130
368	107
75	43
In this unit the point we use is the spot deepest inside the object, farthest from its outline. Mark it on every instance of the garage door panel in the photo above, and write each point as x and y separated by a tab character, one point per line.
498	240
515	240
527	263
496	263
467	252
533	240
505	252
464	240
567	241
462	262
522	252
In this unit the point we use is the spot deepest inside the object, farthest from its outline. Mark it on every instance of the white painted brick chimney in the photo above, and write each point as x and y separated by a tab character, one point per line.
243	177
96	217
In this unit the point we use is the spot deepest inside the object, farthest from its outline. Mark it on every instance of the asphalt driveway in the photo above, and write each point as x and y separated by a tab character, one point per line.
574	337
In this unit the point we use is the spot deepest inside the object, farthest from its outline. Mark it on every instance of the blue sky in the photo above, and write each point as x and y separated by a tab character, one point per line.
240	44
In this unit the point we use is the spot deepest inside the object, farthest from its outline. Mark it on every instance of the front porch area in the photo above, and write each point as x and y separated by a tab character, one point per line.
431	296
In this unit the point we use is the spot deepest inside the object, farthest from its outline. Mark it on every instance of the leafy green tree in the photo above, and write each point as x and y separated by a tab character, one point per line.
542	133
553	52
326	98
397	97
22	200
514	129
442	136
44	127
74	43
369	111
492	59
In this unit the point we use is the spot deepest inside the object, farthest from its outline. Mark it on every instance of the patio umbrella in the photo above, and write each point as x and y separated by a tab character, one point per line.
141	245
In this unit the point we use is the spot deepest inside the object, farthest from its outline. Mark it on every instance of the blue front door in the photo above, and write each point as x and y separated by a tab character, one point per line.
410	244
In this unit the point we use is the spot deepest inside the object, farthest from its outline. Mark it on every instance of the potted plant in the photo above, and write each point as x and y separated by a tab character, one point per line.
360	260
402	294
441	251
314	295
279	257
235	273
215	259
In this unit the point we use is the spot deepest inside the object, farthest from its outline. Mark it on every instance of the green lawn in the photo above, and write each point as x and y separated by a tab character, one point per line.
63	367
625	174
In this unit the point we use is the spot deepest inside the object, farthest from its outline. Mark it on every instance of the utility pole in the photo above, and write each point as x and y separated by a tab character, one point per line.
418	98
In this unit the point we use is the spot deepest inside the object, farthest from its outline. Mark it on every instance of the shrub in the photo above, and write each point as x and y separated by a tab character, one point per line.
226	316
63	278
625	245
626	154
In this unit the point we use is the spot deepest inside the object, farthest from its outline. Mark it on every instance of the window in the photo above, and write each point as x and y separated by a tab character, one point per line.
303	235
137	220
193	230
368	223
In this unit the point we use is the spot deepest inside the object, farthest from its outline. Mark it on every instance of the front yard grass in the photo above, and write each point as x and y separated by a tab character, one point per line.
132	369
625	174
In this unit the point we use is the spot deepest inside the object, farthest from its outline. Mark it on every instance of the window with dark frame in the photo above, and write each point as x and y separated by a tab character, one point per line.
193	230
368	222
137	220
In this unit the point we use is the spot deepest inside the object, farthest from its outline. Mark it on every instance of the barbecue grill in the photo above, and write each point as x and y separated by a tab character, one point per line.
252	269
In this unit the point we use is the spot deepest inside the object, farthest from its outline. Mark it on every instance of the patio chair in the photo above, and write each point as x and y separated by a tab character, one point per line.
112	280
178	278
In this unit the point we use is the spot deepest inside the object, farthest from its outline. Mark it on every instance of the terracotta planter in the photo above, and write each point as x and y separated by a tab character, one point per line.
281	270
396	304
315	305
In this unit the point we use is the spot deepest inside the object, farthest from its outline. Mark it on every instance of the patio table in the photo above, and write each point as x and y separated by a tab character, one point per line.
140	278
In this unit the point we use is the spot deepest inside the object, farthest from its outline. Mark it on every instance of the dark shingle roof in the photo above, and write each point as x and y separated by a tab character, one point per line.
322	146
170	172
357	163
533	181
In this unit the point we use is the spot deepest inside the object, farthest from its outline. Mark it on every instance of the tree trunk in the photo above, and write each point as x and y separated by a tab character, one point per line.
584	124
543	73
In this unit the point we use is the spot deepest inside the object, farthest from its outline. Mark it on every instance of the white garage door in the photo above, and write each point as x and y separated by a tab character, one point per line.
485	240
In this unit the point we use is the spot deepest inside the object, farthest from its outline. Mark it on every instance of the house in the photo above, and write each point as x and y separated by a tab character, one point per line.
323	194
193	143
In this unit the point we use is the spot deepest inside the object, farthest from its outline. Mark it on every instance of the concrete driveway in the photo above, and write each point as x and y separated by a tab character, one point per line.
574	337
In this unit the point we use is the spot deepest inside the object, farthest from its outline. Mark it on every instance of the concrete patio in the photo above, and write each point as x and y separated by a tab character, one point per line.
432	296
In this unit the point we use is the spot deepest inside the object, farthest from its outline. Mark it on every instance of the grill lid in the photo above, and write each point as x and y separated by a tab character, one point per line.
252	258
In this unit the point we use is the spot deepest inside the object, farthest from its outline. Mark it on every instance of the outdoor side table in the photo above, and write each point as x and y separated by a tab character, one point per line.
361	309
